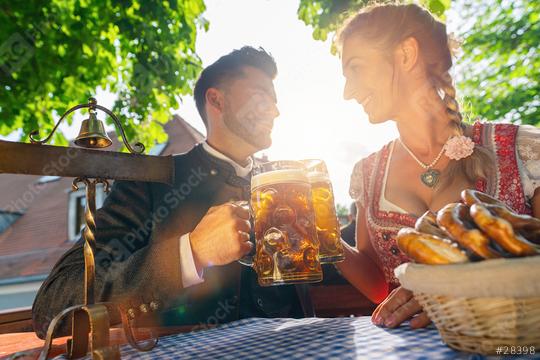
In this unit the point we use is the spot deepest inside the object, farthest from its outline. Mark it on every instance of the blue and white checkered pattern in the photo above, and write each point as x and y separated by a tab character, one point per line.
312	338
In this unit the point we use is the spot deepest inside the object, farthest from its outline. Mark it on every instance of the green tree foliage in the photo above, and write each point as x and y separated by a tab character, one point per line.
55	53
499	71
325	16
342	211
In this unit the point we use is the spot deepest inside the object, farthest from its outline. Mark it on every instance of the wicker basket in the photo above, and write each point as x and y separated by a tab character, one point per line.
478	307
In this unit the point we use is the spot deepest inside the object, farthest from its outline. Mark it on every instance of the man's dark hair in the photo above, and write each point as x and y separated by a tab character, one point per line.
231	66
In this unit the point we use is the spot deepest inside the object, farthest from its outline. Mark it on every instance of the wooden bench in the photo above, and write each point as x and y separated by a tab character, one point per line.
16	320
339	300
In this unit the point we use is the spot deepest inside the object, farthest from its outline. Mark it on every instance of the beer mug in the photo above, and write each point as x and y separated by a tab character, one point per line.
327	223
286	244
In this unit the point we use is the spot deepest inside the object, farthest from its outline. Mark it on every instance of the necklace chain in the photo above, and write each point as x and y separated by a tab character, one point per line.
423	165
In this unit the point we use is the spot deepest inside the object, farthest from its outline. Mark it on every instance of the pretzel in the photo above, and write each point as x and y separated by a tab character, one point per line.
427	224
525	225
471	197
501	231
429	249
456	221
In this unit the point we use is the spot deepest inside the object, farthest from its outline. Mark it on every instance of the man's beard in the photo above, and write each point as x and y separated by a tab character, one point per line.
249	127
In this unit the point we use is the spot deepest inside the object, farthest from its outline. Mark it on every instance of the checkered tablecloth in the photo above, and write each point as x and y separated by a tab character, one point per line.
312	338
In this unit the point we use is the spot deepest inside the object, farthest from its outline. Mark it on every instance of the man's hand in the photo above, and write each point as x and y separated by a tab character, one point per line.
399	306
222	236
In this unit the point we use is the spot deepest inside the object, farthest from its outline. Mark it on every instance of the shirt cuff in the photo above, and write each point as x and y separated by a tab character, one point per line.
190	276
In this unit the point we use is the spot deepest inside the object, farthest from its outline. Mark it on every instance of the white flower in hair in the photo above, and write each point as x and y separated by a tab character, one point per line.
459	147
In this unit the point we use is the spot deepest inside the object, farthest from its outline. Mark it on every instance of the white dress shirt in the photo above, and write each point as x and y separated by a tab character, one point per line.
190	275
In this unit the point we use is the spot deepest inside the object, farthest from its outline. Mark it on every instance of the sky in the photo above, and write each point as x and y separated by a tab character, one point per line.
315	121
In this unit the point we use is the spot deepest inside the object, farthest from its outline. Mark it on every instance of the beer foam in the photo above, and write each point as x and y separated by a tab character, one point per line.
279	176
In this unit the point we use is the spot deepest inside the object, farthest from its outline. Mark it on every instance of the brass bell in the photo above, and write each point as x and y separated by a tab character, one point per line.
92	134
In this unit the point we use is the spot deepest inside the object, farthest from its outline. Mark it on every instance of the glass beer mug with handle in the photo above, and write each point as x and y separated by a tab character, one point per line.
327	223
286	244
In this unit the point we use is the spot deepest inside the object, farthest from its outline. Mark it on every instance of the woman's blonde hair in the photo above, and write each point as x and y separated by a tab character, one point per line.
386	26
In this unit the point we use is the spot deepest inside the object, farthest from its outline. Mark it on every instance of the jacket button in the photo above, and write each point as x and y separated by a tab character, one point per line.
259	302
131	313
154	305
394	250
386	236
144	308
213	172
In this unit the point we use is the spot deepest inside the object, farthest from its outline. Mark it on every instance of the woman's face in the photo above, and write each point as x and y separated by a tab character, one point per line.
369	78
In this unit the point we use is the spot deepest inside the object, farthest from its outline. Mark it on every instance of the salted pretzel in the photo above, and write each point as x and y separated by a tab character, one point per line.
501	231
457	222
429	249
427	224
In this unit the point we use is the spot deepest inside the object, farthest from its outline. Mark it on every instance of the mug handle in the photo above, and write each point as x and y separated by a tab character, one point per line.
248	260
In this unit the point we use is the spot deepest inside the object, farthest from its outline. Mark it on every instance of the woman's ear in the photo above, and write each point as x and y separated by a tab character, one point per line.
407	53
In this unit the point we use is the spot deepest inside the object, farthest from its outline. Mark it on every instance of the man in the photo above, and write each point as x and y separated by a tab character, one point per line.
169	252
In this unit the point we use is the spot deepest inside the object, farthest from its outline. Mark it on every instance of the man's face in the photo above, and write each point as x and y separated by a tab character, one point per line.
250	108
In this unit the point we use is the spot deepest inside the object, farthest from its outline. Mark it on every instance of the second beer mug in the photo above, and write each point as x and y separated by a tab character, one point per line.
328	227
287	248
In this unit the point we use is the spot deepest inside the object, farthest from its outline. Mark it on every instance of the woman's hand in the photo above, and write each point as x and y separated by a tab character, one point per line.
398	307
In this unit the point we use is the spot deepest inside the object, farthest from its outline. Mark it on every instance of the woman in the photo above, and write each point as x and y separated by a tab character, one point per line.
396	60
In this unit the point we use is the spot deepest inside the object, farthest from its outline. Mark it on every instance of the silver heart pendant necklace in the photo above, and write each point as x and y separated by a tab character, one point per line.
431	176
